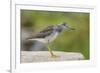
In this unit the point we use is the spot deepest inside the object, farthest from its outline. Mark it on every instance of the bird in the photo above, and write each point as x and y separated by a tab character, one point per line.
49	34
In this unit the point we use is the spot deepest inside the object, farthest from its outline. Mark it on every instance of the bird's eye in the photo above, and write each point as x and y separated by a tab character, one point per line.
64	24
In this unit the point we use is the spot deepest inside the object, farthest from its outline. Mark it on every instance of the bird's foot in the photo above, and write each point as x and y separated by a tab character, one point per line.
55	56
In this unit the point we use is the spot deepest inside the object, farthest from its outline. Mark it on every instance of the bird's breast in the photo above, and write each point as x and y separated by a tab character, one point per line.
52	37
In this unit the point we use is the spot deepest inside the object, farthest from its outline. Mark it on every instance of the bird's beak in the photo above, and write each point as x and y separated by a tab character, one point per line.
70	28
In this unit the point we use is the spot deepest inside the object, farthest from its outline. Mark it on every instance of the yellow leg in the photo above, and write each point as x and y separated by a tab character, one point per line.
50	50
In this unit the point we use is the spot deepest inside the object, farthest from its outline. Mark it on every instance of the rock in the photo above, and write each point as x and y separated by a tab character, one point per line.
44	56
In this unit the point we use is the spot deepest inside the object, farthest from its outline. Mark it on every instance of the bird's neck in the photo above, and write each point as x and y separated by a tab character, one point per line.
59	30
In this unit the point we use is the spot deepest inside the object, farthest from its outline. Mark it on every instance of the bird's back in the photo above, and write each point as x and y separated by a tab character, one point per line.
45	32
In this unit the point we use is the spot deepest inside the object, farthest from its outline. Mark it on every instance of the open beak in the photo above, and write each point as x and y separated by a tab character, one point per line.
70	28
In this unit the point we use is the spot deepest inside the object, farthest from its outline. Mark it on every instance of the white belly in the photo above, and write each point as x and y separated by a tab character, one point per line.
52	37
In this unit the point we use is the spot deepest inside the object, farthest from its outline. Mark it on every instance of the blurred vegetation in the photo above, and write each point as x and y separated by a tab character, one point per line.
68	41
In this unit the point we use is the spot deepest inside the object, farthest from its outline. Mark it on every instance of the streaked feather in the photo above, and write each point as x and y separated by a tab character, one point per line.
45	32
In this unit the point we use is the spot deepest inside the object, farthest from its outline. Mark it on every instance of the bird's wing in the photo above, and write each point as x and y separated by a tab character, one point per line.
48	28
42	34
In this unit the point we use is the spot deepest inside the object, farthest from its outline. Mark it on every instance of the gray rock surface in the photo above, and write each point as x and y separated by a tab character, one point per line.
44	56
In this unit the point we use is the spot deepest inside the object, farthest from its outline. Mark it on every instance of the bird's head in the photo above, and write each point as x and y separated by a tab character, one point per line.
66	26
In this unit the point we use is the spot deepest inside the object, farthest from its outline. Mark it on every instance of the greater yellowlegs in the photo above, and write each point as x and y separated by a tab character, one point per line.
49	34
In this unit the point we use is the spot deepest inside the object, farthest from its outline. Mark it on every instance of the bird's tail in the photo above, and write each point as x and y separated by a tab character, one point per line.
38	39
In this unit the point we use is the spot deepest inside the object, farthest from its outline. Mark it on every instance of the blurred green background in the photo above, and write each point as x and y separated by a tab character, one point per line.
68	41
